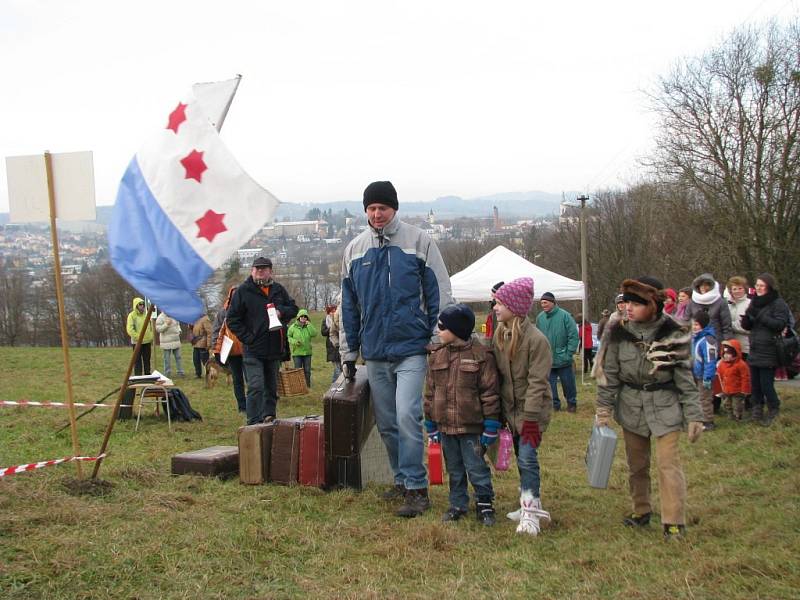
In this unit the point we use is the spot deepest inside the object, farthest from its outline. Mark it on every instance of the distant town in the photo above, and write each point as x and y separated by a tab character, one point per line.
298	247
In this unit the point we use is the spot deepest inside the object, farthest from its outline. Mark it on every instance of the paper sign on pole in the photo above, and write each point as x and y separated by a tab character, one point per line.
73	180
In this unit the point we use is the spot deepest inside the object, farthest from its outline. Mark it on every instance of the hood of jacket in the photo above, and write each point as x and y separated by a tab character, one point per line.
707	331
136	301
302	313
735	345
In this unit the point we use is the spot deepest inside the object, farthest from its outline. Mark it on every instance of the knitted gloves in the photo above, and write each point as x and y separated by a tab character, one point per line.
602	416
433	431
695	429
489	435
530	433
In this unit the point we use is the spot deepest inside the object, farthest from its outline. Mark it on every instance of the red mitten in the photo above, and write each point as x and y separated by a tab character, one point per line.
530	433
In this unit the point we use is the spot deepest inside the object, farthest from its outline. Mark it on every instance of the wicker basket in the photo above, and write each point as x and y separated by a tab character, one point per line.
291	382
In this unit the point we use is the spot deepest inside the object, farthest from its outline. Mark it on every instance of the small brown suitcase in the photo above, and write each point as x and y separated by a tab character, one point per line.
354	452
285	456
348	415
255	449
311	470
213	461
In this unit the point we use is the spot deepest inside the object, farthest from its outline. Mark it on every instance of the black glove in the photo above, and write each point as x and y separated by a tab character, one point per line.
349	369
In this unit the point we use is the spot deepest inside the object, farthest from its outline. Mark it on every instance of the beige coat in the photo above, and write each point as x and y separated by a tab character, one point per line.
625	361
524	381
201	333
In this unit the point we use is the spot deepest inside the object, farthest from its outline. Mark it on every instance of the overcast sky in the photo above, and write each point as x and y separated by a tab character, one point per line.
441	97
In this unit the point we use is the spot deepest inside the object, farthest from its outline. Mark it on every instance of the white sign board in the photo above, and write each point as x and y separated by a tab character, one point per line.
73	184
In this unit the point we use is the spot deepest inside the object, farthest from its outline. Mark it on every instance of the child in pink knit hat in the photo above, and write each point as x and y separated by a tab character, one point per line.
523	362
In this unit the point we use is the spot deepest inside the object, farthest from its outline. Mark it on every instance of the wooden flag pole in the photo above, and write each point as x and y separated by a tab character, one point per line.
62	321
121	394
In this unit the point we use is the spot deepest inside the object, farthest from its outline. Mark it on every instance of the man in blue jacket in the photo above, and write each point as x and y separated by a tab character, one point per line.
394	284
561	331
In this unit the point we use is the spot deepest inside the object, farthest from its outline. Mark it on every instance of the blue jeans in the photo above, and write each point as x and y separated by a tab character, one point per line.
262	388
463	456
167	362
337	370
528	466
396	388
236	365
567	376
762	383
305	362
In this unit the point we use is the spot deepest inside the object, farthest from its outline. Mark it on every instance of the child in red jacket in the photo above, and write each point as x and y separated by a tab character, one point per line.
734	376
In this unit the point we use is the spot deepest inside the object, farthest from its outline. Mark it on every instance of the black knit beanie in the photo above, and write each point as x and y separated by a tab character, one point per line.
459	319
380	192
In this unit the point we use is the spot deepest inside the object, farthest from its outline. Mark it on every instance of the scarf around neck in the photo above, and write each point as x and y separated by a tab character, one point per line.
708	298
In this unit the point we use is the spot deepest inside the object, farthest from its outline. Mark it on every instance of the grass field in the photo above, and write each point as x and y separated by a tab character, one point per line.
148	534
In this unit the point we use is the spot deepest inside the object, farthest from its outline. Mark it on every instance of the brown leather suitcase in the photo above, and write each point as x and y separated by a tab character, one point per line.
348	415
285	456
213	461
311	469
255	450
354	452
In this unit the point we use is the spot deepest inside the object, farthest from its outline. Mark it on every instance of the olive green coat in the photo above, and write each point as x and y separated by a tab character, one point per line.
629	349
524	381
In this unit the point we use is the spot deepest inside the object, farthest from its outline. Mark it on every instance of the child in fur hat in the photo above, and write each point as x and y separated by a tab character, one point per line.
462	410
645	381
523	361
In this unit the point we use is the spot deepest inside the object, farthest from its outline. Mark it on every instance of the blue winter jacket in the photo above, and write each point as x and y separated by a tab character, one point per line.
394	283
704	354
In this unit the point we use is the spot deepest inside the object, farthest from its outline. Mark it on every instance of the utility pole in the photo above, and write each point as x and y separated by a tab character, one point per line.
584	261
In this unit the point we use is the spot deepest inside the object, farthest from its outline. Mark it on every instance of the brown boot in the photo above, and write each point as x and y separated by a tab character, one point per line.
416	502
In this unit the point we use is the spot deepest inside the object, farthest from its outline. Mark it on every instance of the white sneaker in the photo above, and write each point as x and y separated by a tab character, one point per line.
530	514
514	515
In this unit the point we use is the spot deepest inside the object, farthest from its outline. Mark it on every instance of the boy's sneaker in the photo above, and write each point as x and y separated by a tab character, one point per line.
395	492
453	514
771	415
415	503
709	426
484	511
674	532
514	515
637	520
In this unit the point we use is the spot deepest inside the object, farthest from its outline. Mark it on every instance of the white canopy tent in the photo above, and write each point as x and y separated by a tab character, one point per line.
474	284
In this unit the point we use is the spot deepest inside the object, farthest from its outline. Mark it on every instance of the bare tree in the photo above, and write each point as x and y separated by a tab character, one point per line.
12	306
729	124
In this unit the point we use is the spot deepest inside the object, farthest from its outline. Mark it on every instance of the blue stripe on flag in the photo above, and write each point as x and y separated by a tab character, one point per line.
151	254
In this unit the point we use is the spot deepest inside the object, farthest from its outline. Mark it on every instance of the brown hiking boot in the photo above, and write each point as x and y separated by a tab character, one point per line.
415	503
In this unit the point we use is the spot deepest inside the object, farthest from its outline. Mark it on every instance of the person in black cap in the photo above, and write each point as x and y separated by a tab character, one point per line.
394	284
491	320
462	410
561	331
262	332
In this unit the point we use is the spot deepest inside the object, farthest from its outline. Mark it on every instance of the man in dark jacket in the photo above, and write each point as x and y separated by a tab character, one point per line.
256	315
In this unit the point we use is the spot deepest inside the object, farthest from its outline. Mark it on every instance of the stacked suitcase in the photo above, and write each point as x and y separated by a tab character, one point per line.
255	451
355	454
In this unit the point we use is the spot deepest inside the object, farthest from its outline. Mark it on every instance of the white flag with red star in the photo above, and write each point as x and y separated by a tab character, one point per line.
184	206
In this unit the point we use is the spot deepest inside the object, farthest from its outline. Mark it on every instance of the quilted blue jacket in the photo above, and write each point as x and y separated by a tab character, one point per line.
394	283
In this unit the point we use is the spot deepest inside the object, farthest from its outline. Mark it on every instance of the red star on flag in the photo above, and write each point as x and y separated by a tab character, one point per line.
194	165
176	117
210	224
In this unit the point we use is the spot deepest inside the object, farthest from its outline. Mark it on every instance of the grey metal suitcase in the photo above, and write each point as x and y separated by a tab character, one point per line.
600	456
